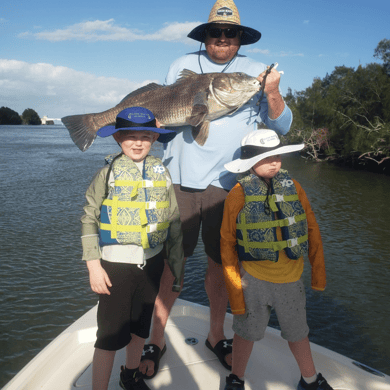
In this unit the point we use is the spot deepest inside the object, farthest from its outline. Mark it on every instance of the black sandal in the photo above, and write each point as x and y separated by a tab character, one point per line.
154	353
221	350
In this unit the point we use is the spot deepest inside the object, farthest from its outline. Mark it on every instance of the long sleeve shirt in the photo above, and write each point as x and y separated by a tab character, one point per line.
95	195
283	271
195	166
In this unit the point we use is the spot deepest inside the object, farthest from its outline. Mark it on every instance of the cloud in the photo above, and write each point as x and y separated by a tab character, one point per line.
265	51
268	53
107	30
57	91
288	54
305	22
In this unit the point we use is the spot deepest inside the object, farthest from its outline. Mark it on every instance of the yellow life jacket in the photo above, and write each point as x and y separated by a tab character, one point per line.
256	224
136	209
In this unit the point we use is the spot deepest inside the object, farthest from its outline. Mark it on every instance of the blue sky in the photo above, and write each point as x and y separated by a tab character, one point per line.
72	57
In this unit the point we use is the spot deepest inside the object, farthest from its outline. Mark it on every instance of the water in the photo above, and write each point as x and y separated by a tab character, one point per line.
44	285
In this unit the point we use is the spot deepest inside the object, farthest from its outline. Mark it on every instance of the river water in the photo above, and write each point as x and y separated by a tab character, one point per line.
44	285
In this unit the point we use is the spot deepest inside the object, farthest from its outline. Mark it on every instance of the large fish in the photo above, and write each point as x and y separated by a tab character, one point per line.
195	99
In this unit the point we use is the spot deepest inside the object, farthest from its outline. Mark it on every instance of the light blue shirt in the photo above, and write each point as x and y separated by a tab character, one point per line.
195	166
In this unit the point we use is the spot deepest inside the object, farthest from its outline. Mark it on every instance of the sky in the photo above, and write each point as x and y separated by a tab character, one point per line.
76	57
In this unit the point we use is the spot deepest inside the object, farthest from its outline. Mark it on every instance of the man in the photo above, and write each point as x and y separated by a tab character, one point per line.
201	182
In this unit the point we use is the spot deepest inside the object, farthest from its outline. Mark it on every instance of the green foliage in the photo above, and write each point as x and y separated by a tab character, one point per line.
9	117
353	105
30	117
382	51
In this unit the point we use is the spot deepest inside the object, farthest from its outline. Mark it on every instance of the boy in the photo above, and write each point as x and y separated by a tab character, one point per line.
267	226
131	211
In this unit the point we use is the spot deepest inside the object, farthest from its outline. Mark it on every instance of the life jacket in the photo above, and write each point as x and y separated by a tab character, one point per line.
136	209
256	224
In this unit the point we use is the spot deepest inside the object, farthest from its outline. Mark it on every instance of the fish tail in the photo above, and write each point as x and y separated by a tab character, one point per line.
82	129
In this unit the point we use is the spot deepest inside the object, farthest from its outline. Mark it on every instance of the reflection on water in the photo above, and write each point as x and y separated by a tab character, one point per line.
44	285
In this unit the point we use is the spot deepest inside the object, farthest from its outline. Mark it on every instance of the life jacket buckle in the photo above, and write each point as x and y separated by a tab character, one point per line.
152	205
278	198
291	220
292	242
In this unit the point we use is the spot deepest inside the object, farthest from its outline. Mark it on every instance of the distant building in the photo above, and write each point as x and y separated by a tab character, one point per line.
47	121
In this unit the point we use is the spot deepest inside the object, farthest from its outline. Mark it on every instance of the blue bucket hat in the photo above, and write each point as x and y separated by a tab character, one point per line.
137	118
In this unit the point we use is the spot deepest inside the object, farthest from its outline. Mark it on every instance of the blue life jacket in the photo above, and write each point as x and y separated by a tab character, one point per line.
256	225
136	209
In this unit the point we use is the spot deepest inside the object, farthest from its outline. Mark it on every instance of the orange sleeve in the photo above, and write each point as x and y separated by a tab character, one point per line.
316	251
233	204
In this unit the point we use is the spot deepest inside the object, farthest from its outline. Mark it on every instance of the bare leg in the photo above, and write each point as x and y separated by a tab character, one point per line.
101	368
216	291
242	350
302	353
218	298
134	351
164	302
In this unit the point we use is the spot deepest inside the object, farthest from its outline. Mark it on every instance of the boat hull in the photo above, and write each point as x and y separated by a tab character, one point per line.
66	362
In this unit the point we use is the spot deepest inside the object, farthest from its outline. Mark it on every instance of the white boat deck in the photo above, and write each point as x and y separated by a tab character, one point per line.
65	364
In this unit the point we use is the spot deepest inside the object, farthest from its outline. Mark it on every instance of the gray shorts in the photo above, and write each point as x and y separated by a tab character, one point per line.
201	208
288	301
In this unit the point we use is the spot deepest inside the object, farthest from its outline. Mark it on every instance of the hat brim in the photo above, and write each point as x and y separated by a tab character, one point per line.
248	36
239	166
166	135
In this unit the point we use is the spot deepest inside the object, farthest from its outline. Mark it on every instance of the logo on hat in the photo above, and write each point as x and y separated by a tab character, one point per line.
224	11
139	115
275	138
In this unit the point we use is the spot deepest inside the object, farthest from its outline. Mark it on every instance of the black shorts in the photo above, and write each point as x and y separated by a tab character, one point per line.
130	306
201	207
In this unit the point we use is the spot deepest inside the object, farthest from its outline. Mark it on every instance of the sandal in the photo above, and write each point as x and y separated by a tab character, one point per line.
154	353
221	349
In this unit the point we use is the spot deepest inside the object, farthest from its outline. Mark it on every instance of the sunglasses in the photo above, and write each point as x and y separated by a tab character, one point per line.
215	32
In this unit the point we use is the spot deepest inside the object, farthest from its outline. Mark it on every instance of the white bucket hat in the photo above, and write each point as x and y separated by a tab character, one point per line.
258	145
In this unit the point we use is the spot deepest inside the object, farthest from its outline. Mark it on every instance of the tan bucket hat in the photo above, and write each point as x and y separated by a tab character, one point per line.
258	145
226	12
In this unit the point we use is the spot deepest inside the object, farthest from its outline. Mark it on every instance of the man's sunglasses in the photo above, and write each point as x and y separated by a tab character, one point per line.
215	32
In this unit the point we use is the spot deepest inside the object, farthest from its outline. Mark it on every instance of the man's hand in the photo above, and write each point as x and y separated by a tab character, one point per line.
271	90
98	278
271	82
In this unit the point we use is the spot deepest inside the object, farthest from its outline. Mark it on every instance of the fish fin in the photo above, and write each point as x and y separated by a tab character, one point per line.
200	99
201	132
199	109
79	127
185	73
146	88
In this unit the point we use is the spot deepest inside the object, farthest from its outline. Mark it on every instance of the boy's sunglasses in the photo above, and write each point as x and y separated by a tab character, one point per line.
215	32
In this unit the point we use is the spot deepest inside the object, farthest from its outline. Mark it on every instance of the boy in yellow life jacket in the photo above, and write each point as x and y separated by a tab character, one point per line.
130	214
267	226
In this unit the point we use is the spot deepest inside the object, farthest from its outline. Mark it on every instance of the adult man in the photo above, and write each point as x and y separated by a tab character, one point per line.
200	179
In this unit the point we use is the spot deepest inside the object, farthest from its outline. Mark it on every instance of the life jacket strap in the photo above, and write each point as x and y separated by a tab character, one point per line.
144	230
272	199
275	246
139	184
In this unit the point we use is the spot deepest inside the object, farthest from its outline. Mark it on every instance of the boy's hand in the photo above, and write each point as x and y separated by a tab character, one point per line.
98	277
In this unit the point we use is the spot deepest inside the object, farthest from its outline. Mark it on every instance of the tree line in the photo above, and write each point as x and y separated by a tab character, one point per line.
11	117
345	116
